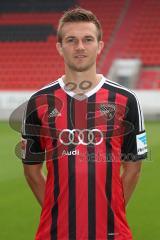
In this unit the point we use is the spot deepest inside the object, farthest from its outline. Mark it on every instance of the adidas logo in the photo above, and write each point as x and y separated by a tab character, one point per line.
54	113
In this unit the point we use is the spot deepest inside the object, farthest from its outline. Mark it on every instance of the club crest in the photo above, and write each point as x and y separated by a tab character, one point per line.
108	110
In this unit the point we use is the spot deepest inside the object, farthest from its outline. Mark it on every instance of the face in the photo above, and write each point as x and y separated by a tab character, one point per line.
80	46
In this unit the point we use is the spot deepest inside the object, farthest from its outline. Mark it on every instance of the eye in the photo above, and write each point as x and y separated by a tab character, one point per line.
89	39
70	40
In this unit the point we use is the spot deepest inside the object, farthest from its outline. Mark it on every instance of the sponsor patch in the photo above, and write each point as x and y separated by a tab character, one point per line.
141	143
23	148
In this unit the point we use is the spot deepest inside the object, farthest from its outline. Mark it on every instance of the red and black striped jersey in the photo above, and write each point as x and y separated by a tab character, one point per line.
83	140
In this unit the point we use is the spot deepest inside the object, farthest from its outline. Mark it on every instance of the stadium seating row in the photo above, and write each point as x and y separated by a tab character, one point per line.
27	42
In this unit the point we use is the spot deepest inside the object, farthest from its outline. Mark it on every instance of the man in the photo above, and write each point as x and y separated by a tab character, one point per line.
85	127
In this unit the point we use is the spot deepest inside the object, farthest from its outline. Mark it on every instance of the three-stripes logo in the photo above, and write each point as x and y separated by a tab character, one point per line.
54	113
141	143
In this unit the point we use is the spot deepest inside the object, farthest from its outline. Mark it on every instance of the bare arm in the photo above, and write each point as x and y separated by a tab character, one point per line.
130	176
36	180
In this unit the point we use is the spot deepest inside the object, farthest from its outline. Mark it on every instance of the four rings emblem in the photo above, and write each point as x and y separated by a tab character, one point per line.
78	136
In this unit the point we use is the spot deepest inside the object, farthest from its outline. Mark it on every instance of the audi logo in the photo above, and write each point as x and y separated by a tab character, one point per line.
78	136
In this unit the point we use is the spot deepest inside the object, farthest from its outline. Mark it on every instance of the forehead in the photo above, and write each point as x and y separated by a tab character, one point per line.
79	29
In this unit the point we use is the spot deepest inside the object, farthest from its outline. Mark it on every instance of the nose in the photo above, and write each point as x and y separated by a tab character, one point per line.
80	45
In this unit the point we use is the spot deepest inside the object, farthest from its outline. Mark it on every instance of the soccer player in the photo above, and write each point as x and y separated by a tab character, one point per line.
90	132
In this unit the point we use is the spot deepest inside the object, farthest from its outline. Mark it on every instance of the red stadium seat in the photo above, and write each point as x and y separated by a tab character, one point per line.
32	64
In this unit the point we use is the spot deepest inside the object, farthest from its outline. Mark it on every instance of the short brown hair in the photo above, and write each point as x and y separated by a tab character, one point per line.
78	15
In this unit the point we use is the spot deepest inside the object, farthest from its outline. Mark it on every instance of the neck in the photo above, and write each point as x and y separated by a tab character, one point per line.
79	77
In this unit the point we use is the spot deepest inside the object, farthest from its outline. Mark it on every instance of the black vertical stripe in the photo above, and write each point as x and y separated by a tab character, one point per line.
91	173
51	123
71	172
33	128
109	133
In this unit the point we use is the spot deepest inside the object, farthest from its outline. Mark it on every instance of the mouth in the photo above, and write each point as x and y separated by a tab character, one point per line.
80	56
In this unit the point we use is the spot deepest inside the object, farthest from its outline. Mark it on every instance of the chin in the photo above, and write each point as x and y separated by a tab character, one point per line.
81	68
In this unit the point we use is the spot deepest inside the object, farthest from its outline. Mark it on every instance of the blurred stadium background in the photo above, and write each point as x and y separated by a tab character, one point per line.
29	60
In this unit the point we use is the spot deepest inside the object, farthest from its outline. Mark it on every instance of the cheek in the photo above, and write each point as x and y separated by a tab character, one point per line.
66	52
95	51
67	55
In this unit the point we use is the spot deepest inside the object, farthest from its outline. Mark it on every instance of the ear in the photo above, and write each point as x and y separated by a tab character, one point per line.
59	48
100	46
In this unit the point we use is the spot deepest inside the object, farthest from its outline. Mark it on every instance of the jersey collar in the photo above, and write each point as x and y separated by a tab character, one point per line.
87	94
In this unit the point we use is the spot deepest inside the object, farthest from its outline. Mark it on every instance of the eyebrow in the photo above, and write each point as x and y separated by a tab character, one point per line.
69	37
86	36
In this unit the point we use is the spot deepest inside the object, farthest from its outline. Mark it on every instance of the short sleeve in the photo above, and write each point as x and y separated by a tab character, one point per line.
32	147
134	145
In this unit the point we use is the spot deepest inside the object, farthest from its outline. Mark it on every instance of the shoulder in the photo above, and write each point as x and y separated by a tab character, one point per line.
133	104
39	97
117	88
47	89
